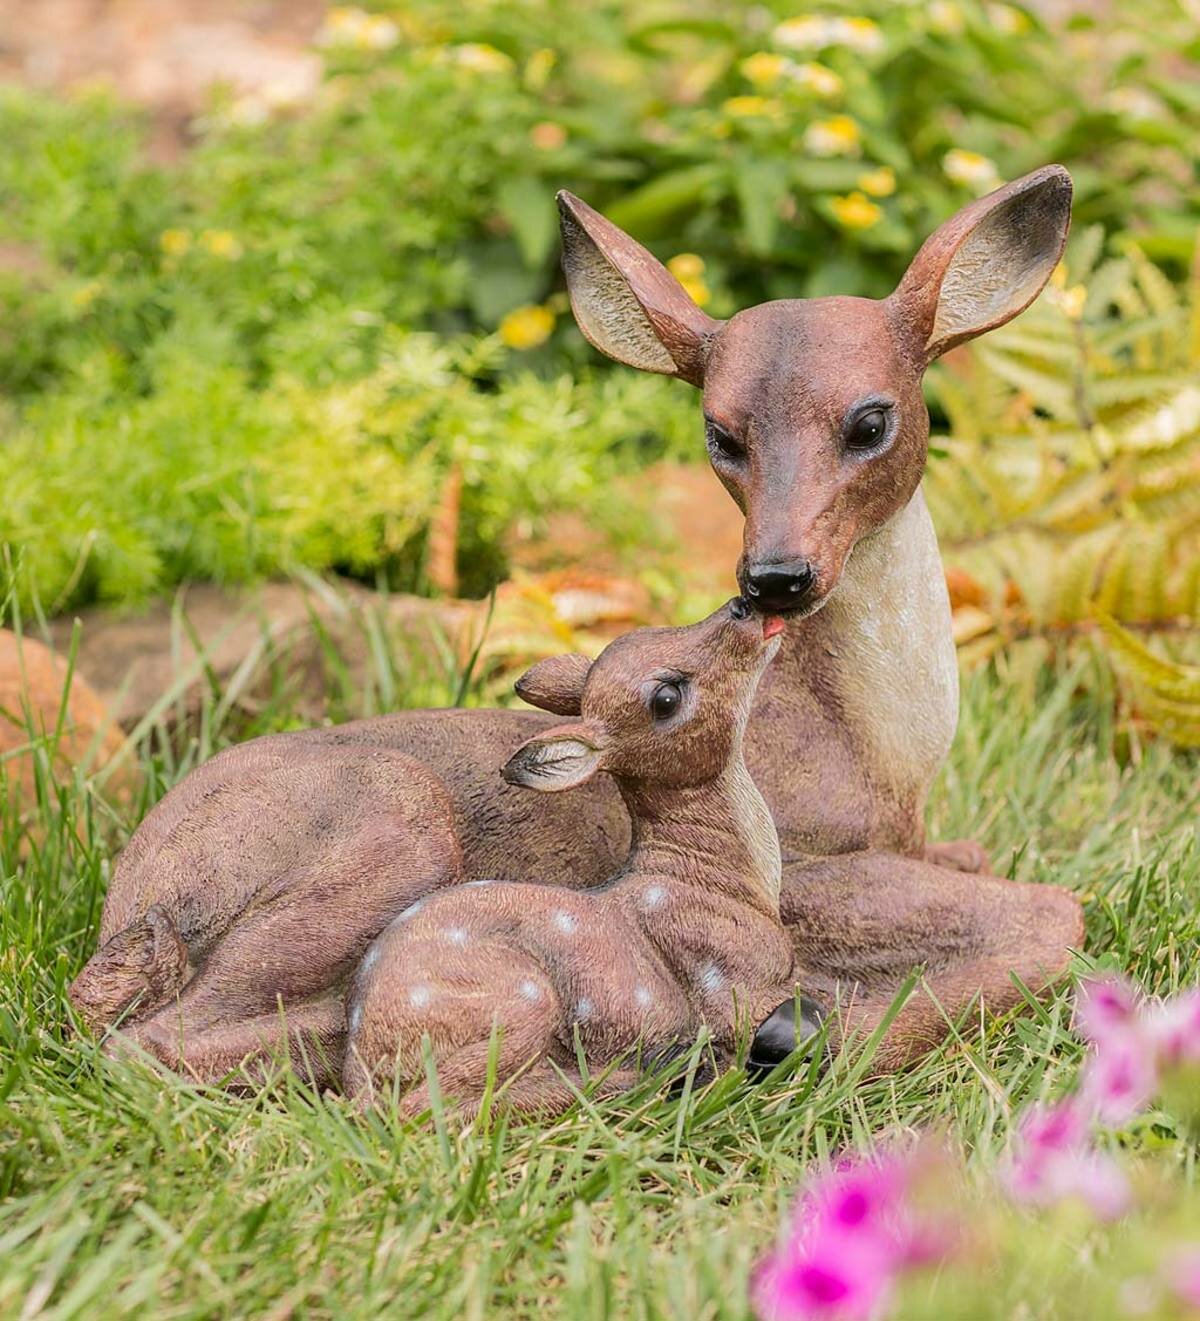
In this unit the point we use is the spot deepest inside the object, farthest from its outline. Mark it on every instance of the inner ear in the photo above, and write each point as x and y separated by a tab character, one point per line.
626	301
561	758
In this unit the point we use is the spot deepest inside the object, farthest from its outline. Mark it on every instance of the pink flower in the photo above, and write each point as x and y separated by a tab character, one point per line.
1174	1027
1182	1273
1107	1006
1121	1078
855	1231
1055	1162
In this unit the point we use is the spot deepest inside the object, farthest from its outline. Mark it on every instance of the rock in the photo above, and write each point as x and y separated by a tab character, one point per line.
32	680
149	662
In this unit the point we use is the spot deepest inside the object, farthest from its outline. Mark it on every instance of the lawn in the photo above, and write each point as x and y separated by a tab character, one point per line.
123	1191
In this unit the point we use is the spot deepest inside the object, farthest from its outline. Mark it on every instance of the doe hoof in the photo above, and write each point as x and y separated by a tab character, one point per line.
780	1034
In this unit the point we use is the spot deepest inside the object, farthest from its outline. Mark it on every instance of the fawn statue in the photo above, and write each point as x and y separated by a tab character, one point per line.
685	936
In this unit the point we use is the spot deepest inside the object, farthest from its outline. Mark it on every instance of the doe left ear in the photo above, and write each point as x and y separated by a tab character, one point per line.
561	758
985	264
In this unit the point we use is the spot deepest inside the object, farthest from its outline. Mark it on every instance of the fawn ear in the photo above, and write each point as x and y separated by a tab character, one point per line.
985	264
556	683
626	302
561	758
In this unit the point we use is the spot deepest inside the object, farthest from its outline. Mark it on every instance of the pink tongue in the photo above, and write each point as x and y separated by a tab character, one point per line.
772	627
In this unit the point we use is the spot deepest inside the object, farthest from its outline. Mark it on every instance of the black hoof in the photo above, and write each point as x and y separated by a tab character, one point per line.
780	1034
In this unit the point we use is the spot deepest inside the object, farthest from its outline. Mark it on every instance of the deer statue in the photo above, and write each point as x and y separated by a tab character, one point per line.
816	424
685	935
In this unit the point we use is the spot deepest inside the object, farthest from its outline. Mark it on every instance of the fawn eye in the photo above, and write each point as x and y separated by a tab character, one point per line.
721	444
665	701
867	430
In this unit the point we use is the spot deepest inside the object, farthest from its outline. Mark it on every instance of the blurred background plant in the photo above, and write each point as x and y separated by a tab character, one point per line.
330	333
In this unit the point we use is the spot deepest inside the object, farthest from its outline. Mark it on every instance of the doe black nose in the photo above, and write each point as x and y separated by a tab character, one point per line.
779	586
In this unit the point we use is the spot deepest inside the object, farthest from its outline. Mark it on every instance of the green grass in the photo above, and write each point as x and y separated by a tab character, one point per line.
126	1192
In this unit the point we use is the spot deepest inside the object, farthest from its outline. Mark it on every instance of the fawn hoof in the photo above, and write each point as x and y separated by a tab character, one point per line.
780	1034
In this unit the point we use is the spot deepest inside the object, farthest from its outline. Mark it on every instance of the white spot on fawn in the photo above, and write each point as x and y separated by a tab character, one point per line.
583	1009
456	935
529	991
643	998
711	977
476	884
653	897
370	959
565	922
420	996
355	1018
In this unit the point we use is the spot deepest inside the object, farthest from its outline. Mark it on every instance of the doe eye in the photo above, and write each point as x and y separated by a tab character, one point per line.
723	444
665	701
868	430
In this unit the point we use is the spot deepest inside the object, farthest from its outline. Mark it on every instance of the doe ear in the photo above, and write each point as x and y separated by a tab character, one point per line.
626	302
985	264
561	758
556	683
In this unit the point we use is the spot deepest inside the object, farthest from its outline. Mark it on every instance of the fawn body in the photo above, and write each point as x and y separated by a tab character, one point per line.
817	426
686	935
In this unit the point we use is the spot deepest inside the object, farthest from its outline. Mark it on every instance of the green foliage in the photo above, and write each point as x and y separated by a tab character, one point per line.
114	494
1071	486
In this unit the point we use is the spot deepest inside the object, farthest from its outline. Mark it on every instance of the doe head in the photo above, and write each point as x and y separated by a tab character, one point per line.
662	705
815	419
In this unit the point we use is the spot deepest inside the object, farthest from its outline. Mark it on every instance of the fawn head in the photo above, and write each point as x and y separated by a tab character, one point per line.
816	423
667	705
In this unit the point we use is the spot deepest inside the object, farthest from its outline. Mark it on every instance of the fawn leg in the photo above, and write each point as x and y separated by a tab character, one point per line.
311	1034
542	1089
861	922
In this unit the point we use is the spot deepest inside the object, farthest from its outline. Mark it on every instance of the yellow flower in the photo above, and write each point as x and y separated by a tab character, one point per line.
1058	276
697	291
813	32
481	58
547	136
878	183
348	26
816	78
971	169
538	68
174	242
839	136
1073	300
946	17
763	68
748	107
686	266
856	211
221	243
86	294
527	327
861	34
1008	20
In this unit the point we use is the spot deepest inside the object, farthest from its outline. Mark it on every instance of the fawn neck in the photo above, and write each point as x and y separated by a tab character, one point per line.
718	835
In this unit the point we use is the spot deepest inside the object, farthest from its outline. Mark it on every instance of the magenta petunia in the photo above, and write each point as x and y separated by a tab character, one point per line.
1182	1274
1054	1161
1121	1077
1174	1027
1106	1006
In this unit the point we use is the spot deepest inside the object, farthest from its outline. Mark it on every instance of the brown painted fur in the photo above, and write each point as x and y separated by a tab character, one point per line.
850	724
686	935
